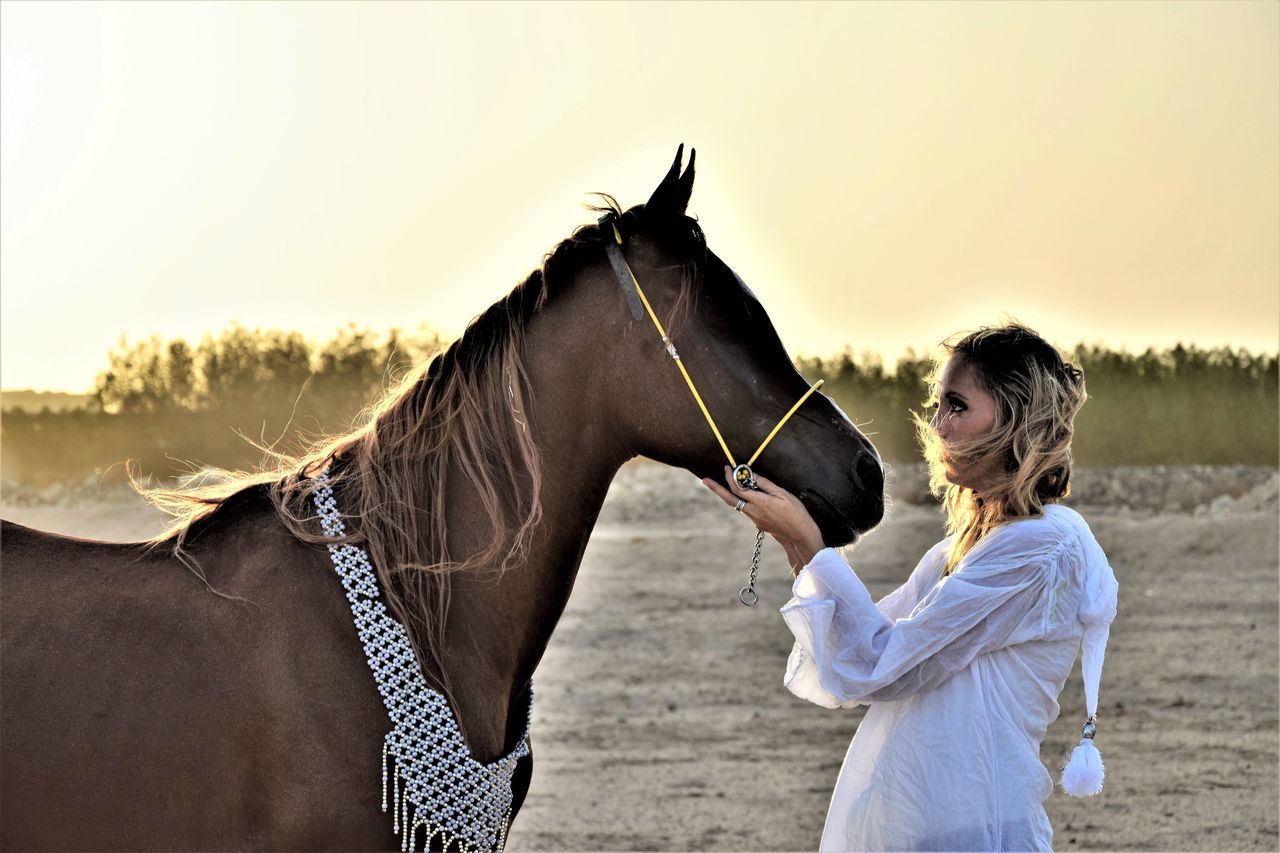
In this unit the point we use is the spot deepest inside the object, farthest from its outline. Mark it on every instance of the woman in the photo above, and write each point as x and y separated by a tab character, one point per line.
962	665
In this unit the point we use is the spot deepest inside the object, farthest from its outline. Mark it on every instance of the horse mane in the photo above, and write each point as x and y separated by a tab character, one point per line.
463	408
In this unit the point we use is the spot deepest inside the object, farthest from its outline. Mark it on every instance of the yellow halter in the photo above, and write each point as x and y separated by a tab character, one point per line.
742	473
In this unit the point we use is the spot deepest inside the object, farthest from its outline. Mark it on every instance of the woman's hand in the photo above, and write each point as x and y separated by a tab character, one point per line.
777	512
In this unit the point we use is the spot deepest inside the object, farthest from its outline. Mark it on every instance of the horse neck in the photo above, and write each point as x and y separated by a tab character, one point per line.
497	631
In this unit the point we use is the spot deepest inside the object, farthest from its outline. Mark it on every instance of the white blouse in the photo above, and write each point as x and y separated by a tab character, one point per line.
962	676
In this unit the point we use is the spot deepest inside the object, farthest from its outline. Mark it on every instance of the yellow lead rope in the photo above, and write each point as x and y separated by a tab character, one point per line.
814	387
671	350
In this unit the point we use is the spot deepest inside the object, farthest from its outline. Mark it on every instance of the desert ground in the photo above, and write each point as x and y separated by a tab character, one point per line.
661	722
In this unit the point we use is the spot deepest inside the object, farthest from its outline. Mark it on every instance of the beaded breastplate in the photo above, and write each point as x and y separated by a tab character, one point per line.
436	785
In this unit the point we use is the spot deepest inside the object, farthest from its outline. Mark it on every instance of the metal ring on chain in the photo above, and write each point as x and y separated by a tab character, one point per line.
747	595
741	503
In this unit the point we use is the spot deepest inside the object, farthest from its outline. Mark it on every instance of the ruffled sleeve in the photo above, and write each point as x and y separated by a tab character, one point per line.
899	603
849	652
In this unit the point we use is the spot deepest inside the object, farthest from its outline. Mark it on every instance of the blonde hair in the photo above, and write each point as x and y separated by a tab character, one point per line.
1037	395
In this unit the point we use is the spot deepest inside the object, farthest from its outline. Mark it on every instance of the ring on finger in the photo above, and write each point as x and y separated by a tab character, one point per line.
741	503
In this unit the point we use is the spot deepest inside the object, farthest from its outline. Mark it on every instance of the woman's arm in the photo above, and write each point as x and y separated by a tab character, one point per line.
899	603
848	652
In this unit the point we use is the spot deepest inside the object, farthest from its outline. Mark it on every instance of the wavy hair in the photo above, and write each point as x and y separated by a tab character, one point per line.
463	411
1037	394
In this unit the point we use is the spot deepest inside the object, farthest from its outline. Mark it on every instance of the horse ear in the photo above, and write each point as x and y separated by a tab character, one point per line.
672	195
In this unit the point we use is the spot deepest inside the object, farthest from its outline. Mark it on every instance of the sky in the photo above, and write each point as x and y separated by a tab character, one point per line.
882	175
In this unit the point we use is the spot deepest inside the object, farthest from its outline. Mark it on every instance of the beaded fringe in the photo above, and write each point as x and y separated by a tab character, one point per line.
408	832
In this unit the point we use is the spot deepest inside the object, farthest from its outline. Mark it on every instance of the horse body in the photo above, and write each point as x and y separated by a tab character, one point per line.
141	711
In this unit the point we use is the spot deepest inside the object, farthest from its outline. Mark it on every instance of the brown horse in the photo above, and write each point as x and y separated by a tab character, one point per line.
207	690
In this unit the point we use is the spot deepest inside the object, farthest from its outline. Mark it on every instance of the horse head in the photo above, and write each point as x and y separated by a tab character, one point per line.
722	335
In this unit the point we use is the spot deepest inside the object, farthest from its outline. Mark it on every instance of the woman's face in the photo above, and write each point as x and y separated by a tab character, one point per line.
965	412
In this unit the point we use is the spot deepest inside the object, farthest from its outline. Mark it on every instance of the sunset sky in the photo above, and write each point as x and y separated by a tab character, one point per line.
881	175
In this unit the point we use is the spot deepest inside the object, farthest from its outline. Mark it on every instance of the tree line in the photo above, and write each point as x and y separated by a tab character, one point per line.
169	405
1176	406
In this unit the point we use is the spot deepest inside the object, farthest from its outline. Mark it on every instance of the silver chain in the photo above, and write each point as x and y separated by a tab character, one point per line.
747	479
747	595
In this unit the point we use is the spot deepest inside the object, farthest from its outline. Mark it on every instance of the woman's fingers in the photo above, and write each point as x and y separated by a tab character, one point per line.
731	499
752	498
720	492
763	485
769	487
769	496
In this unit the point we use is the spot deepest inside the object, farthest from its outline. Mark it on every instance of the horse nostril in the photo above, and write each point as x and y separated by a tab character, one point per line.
867	475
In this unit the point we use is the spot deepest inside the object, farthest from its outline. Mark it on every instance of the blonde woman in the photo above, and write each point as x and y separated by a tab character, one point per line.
962	665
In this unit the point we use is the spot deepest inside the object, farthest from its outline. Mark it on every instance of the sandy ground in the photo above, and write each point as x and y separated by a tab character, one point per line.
661	722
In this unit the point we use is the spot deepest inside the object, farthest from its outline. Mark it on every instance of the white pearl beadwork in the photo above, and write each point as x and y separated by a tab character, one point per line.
438	785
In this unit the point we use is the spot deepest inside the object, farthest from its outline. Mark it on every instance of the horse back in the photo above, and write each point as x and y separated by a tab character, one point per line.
145	707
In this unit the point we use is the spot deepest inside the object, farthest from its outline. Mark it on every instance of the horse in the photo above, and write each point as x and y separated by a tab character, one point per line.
205	689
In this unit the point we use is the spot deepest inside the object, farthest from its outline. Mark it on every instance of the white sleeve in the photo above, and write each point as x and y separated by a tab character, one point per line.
899	603
848	652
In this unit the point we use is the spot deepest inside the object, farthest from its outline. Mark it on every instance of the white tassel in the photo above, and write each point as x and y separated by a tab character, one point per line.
404	822
395	787
384	777
1082	775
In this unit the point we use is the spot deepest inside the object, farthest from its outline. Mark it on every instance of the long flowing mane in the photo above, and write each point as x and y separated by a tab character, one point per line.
462	410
